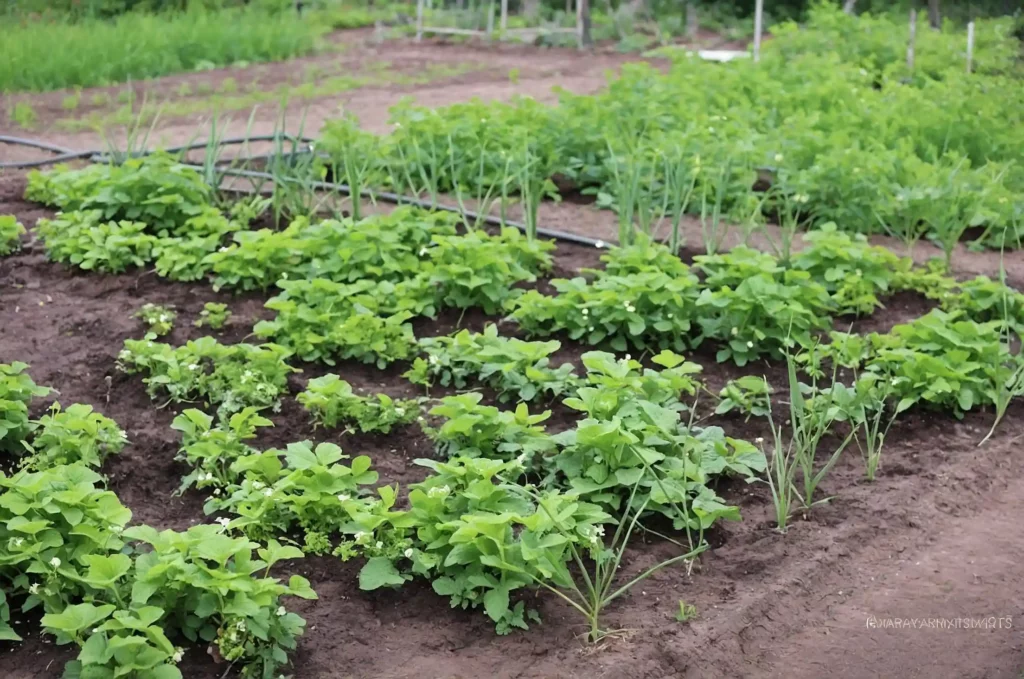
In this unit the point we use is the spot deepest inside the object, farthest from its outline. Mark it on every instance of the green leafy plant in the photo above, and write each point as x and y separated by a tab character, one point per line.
154	189
852	271
121	643
943	360
211	450
644	310
54	524
228	376
473	430
748	394
212	588
514	368
11	232
366	321
478	270
589	589
74	435
302	487
16	393
764	316
81	239
479	538
159	319
214	315
686	612
330	400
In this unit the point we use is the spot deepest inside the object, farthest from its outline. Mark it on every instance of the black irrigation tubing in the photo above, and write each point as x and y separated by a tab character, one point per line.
99	156
397	199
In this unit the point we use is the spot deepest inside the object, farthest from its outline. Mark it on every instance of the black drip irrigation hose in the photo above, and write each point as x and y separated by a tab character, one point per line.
101	156
387	197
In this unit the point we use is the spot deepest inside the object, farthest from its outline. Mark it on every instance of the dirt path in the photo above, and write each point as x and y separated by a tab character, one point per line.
968	574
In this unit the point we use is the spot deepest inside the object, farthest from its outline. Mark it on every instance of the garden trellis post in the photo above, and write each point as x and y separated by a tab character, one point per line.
970	46
758	26
913	37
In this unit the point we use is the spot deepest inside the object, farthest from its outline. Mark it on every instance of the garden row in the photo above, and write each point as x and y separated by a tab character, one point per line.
508	505
831	119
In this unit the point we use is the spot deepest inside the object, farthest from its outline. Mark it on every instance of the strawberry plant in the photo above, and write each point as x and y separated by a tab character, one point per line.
81	239
514	368
473	430
618	382
943	360
330	400
381	247
643	255
55	524
11	232
153	189
228	376
982	299
159	319
646	310
478	270
302	488
479	538
116	642
366	321
852	271
214	315
210	450
16	393
763	316
212	588
74	435
748	394
730	269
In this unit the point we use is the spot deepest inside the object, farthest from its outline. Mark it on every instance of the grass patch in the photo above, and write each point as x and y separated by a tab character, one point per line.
138	46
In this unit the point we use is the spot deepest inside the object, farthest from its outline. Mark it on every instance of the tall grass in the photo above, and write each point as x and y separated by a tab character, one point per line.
39	56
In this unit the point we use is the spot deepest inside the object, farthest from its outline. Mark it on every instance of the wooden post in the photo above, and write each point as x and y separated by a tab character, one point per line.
583	22
849	5
970	46
758	25
419	20
691	20
934	15
504	17
490	20
913	38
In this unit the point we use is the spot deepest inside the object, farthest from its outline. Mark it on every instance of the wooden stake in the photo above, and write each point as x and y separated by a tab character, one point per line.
970	46
849	5
691	19
504	17
758	24
913	38
419	20
490	20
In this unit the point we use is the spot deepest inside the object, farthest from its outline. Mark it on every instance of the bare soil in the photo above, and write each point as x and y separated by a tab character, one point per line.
938	535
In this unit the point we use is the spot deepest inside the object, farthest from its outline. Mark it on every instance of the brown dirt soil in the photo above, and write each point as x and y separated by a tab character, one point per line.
938	535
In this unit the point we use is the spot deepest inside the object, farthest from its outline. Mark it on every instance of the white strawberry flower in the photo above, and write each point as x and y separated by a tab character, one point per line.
281	611
55	562
408	553
342	497
177	655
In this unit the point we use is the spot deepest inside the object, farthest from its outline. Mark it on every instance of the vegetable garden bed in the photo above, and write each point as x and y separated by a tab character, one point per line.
71	327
